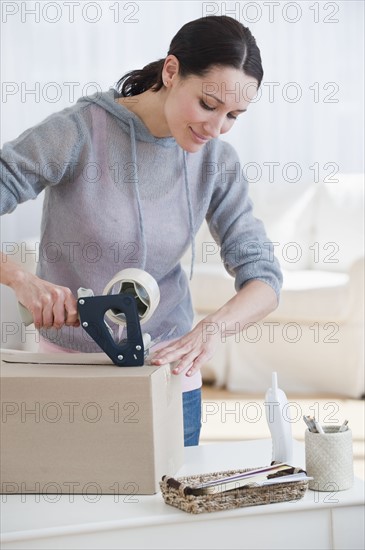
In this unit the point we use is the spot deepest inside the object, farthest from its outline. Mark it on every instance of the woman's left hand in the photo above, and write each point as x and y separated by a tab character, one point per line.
191	351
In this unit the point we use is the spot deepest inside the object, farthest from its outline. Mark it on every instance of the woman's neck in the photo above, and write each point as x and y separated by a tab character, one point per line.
149	107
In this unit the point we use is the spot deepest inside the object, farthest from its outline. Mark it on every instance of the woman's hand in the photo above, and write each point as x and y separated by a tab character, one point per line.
51	306
253	302
191	351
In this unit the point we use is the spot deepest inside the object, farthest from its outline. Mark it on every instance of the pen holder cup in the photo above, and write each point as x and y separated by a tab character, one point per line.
329	459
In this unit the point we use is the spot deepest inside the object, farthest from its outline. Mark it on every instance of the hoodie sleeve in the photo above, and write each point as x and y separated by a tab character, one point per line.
246	251
45	154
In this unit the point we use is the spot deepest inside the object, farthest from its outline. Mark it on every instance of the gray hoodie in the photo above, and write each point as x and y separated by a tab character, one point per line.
117	197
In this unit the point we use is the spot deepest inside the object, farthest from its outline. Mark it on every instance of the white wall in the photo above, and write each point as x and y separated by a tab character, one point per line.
326	55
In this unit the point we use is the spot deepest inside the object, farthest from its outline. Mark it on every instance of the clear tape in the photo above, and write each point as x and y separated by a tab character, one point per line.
142	286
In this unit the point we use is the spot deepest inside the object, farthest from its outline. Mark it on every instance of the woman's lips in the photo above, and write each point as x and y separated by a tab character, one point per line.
197	137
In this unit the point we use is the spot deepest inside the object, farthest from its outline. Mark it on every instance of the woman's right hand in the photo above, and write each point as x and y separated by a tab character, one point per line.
51	306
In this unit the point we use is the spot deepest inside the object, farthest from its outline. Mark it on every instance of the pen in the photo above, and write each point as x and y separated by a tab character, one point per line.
308	422
343	427
318	427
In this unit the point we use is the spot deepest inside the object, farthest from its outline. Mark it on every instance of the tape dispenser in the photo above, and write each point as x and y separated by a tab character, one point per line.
129	300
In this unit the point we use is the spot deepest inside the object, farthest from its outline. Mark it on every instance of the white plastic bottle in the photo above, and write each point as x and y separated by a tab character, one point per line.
279	423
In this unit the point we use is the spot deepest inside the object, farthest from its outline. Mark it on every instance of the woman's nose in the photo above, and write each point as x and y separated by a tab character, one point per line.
213	127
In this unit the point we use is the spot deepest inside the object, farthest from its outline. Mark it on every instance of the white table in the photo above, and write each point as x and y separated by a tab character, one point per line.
318	521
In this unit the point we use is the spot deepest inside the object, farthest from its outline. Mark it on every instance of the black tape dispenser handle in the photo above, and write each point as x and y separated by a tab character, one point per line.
92	311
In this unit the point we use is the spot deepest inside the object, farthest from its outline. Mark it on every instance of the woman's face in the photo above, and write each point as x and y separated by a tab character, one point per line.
198	109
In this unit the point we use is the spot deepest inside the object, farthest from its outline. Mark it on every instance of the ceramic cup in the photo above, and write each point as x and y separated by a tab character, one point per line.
329	459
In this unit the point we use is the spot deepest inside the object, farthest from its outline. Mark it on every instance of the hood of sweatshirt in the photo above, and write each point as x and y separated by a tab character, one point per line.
108	101
132	125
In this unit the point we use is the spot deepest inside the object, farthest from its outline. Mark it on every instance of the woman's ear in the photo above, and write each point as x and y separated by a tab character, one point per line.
170	70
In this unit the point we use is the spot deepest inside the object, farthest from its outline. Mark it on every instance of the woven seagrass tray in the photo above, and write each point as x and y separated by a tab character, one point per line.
177	492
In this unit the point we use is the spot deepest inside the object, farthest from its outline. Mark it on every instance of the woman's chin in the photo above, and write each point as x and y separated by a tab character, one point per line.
189	145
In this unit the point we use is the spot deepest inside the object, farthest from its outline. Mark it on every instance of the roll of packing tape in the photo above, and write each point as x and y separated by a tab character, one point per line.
139	284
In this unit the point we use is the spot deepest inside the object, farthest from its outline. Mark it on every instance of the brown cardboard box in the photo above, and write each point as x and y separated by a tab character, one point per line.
71	427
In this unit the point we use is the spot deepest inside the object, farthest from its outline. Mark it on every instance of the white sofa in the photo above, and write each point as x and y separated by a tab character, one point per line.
315	338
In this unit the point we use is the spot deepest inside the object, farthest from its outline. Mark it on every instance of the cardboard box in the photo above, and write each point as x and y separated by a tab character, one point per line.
71	427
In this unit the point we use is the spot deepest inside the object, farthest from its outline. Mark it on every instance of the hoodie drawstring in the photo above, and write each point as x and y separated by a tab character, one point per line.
138	199
191	221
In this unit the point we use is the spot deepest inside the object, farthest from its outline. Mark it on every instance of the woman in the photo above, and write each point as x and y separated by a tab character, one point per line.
129	176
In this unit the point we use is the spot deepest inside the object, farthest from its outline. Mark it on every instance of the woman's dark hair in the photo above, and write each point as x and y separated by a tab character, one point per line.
199	45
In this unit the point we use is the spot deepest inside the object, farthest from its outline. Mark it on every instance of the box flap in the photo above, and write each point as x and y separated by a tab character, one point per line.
16	363
16	356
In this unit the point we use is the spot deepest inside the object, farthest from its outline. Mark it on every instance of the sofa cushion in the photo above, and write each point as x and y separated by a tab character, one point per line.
211	287
313	296
339	227
307	295
287	212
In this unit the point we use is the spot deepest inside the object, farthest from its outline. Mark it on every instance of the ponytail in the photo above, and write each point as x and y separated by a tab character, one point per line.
200	45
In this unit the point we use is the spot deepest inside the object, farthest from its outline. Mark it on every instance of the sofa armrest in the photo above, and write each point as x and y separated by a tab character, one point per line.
356	287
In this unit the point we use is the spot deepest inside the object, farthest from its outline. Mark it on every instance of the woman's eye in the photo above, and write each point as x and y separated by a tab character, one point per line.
208	108
205	106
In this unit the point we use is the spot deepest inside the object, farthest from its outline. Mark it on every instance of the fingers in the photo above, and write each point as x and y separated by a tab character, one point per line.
169	354
37	313
191	363
71	310
47	313
42	310
185	362
58	310
65	309
189	354
52	306
198	363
